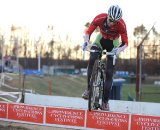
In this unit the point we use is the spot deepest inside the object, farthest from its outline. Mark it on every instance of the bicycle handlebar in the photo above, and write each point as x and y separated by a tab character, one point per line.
103	52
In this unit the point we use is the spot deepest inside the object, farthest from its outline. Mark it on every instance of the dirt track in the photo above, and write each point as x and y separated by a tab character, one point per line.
4	125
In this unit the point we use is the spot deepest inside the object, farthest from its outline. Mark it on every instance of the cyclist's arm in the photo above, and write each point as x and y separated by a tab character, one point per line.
89	32
124	38
124	35
92	26
95	23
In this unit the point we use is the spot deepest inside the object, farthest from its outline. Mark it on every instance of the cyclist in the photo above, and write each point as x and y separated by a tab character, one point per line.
112	37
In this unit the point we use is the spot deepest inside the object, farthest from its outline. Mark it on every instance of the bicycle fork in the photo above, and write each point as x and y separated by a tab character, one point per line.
99	89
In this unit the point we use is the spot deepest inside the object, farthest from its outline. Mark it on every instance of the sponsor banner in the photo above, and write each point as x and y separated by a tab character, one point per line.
25	113
63	116
141	122
107	120
3	110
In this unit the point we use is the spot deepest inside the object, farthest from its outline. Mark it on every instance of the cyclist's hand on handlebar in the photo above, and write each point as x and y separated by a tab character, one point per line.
114	50
84	46
118	49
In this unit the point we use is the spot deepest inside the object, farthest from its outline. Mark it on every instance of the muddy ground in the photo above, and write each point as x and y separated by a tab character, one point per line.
4	125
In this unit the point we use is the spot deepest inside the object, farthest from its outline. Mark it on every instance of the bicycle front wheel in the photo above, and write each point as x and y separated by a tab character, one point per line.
93	102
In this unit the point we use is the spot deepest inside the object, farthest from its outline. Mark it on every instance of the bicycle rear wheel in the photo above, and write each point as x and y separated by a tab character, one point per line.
94	92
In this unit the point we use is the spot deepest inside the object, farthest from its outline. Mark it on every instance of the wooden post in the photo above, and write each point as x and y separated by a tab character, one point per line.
138	72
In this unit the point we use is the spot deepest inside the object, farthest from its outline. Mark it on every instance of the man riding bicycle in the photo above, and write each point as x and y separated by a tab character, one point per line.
112	37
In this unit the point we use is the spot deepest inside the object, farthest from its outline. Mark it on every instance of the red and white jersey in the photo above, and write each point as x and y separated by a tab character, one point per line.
112	33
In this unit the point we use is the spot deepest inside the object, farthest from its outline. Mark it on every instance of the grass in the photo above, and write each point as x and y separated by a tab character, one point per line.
149	92
73	86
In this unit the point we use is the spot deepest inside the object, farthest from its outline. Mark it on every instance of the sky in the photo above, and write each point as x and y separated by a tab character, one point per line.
70	16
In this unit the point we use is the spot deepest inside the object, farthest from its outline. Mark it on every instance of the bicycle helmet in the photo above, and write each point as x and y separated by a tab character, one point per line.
115	13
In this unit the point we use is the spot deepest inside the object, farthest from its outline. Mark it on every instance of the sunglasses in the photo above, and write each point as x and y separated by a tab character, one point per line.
111	20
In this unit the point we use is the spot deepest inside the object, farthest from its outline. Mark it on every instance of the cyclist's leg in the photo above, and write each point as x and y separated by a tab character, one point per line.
117	42
109	78
108	45
98	40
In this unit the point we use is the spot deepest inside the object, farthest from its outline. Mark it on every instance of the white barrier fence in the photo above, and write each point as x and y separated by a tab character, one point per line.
131	107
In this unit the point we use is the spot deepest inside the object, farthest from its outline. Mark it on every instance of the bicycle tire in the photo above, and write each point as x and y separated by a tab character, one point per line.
92	92
102	88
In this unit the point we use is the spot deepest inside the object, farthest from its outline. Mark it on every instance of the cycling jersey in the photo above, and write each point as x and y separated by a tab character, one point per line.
112	33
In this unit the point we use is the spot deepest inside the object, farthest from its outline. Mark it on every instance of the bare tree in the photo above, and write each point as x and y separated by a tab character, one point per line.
59	51
140	31
68	53
51	45
76	49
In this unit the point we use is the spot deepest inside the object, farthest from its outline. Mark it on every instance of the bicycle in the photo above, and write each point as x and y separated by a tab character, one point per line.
97	81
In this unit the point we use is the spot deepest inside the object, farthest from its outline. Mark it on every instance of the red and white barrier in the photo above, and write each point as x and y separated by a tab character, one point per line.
76	118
